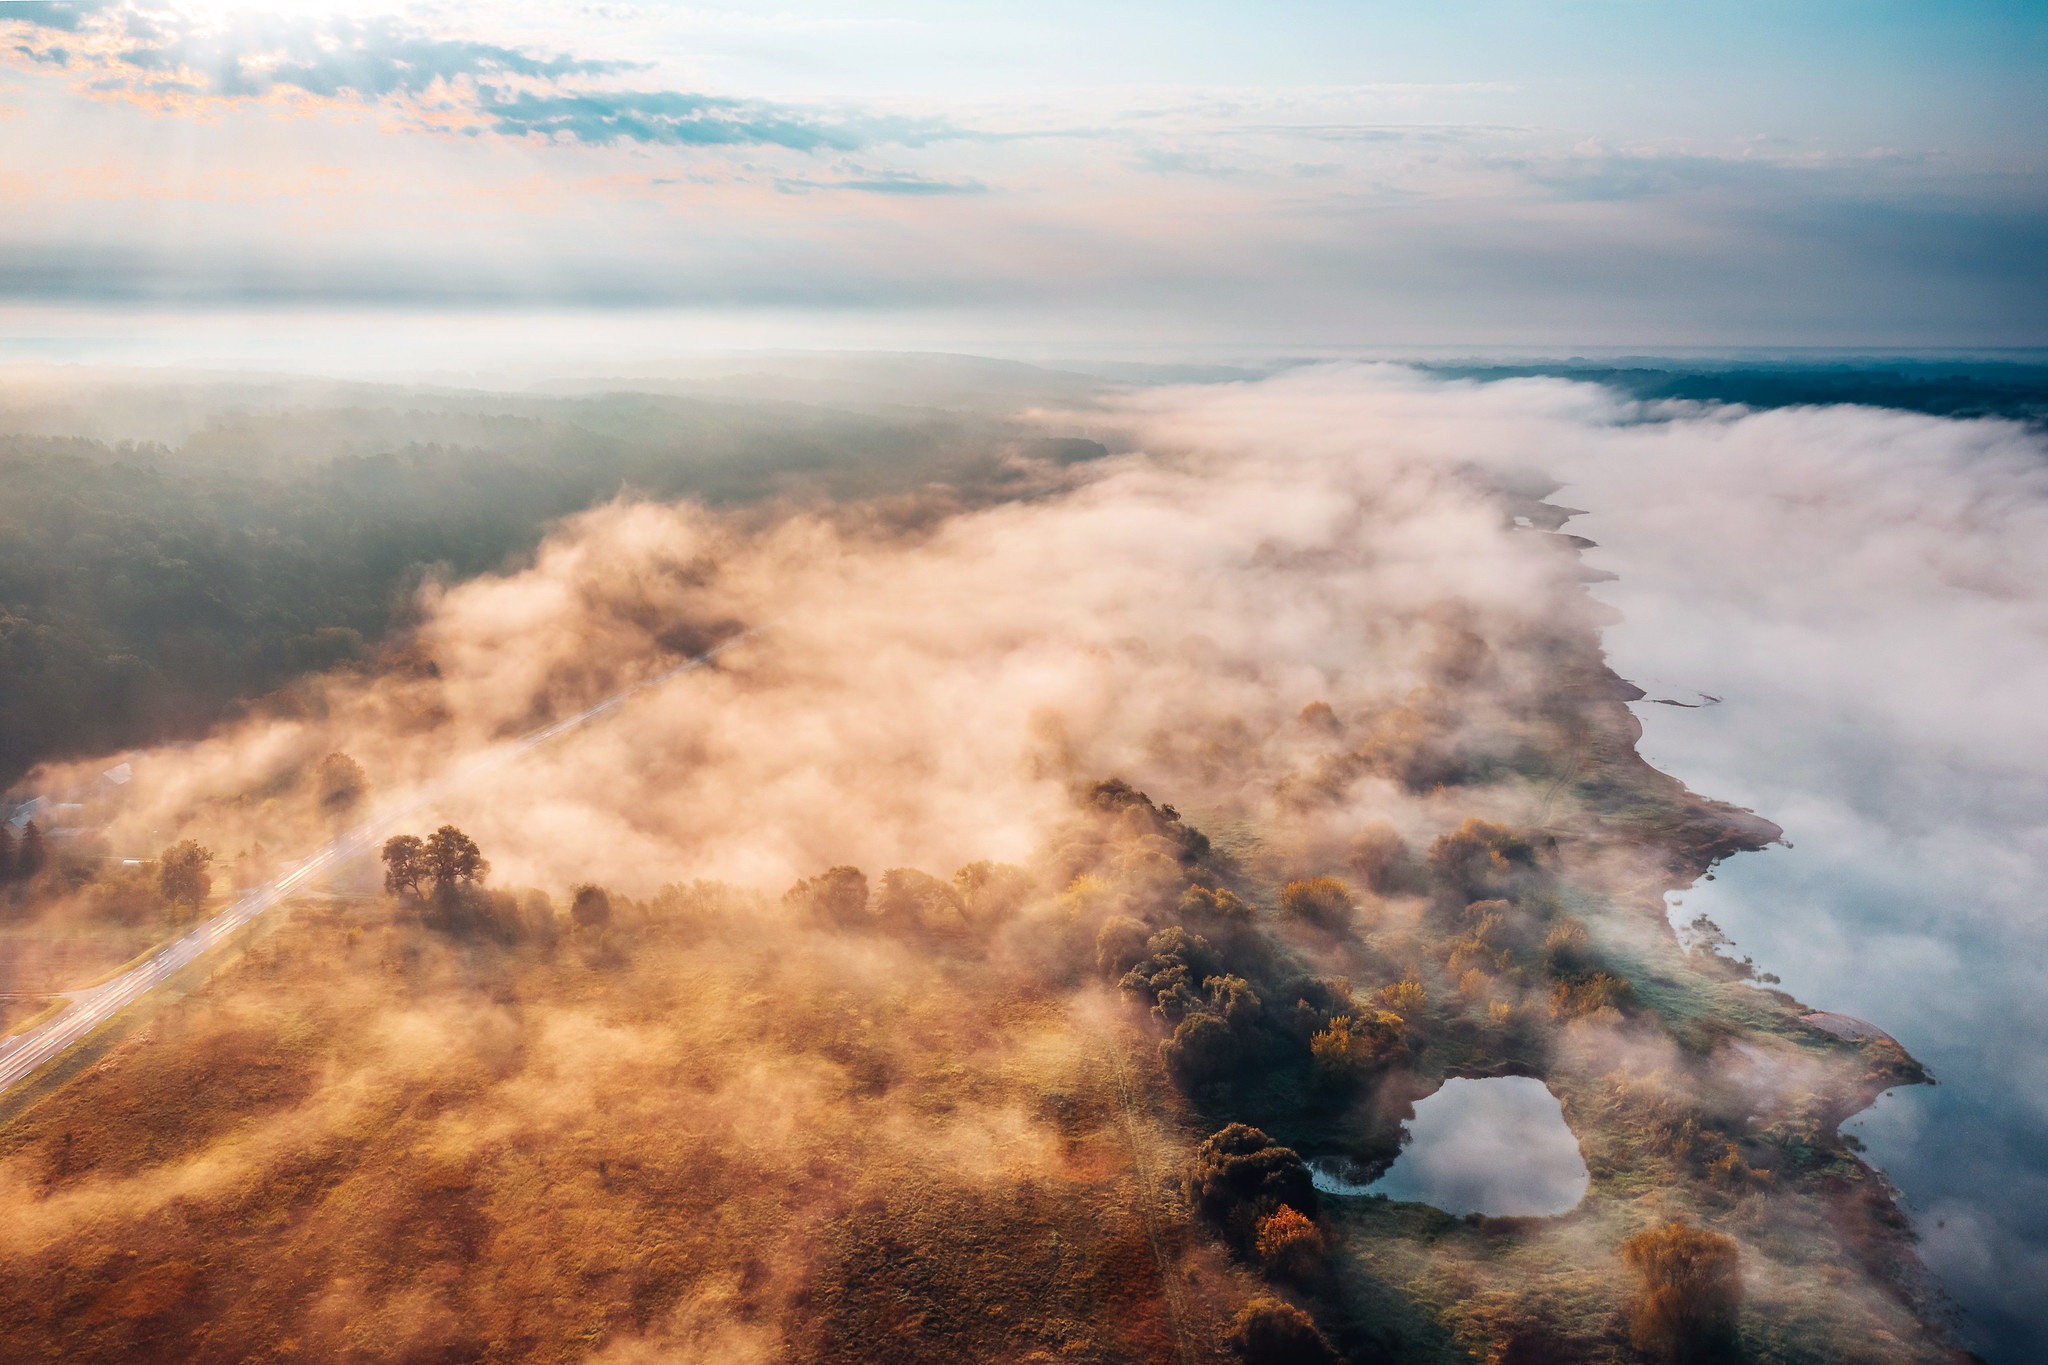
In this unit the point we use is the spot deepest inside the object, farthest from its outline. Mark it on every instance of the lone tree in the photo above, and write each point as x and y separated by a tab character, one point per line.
438	865
1271	1331
341	784
1688	1292
405	864
453	859
182	876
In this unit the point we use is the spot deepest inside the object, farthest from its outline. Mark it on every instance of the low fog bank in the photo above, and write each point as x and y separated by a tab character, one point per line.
1326	615
1869	594
175	543
929	683
1863	592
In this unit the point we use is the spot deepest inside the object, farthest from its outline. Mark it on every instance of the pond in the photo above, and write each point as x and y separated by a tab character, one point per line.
1497	1146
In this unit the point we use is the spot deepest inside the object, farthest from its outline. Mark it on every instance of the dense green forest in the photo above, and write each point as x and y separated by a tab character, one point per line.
147	588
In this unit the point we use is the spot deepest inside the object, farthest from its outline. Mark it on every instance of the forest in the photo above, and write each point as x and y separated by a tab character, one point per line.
149	588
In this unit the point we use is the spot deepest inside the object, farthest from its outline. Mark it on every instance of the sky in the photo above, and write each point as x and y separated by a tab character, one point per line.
1836	173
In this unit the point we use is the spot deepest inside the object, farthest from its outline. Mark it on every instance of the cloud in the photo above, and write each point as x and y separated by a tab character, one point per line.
601	118
150	51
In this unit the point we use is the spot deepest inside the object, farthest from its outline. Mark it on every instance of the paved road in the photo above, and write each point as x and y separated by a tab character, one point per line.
24	1054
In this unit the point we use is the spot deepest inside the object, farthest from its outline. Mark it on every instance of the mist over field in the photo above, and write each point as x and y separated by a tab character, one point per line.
1043	636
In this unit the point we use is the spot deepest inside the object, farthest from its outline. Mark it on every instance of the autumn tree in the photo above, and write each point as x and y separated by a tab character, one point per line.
1688	1293
1289	1242
1202	1050
1214	902
591	907
405	864
340	782
912	900
1270	1331
1356	1044
1239	1175
993	891
838	895
182	876
453	859
1119	945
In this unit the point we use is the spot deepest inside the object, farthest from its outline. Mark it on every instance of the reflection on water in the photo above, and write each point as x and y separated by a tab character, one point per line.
1498	1147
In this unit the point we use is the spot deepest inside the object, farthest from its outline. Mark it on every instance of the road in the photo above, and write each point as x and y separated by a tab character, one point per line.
27	1053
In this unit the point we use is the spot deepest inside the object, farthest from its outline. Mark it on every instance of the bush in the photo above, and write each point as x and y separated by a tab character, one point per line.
1217	903
1352	1046
1270	1331
1476	861
1380	856
1577	999
1119	945
1289	1242
1239	1175
1202	1049
1688	1293
1319	900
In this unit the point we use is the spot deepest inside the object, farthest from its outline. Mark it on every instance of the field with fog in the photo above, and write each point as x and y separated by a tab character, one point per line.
1085	807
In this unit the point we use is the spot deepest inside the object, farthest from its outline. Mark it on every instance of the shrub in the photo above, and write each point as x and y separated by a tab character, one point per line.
1577	999
1319	900
1271	1331
1240	1174
1688	1293
1351	1046
1119	945
1289	1242
1380	856
1405	998
1217	902
1475	861
1202	1049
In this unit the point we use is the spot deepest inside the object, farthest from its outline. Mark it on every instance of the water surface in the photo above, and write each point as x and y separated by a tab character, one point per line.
1498	1147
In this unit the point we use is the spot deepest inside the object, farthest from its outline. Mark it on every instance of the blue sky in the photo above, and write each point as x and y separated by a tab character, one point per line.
1838	172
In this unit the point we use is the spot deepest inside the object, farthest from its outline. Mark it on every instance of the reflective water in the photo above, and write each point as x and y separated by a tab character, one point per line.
1498	1147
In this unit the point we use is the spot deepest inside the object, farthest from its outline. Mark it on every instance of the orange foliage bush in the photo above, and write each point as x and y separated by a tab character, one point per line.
1288	1242
1689	1289
1319	900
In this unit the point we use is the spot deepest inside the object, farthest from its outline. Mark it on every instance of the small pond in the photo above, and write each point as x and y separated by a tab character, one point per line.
1497	1146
